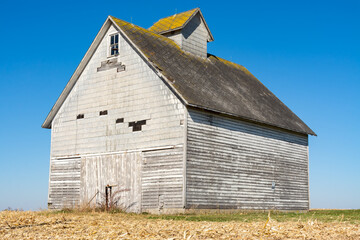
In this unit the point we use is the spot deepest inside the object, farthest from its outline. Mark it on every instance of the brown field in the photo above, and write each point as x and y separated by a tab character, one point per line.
95	225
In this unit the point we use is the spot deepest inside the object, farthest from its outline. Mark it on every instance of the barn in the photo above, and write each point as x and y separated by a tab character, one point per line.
152	122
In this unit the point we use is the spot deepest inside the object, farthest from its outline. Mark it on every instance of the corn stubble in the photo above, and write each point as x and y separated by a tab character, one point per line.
94	225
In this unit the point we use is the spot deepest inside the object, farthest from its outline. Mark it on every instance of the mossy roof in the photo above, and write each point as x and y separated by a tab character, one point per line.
213	83
173	22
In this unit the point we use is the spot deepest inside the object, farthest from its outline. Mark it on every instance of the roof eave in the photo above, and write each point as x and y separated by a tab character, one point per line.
207	27
250	120
170	30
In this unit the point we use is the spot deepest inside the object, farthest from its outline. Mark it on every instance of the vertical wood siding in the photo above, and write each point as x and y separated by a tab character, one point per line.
162	179
134	94
234	164
121	171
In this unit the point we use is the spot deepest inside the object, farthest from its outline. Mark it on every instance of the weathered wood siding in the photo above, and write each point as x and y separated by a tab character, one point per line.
195	37
64	182
234	164
176	36
121	171
162	179
192	38
134	94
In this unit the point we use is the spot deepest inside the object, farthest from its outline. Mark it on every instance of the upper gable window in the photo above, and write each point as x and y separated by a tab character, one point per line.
114	45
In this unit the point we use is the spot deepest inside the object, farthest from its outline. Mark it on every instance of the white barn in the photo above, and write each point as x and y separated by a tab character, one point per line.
152	112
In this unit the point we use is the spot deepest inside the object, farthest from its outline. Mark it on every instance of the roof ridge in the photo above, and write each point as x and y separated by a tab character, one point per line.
173	19
167	24
196	81
162	37
197	8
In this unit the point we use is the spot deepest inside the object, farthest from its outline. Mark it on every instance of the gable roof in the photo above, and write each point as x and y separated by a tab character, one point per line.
178	21
212	84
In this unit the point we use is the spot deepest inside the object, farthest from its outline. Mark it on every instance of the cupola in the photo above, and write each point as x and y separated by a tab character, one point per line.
188	29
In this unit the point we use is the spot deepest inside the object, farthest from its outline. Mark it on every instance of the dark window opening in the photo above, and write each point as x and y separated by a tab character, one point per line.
114	45
120	120
137	125
80	116
103	112
136	128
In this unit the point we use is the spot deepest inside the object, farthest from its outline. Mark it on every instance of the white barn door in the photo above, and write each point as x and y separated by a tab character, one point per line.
120	171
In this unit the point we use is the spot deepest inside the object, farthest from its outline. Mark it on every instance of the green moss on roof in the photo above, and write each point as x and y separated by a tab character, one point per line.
213	83
232	64
176	21
131	27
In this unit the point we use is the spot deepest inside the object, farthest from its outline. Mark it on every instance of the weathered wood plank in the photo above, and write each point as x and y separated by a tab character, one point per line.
64	183
162	179
133	94
231	163
122	171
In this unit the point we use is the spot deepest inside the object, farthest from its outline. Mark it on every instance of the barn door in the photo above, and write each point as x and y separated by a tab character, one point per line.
118	172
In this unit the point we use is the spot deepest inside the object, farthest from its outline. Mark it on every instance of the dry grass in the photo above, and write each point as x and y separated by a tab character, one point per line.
94	225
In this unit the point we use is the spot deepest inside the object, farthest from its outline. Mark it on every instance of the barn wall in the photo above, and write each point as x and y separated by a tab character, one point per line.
195	37
64	183
192	38
134	94
234	164
176	36
162	179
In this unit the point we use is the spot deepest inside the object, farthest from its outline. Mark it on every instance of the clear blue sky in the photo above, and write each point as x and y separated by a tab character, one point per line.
306	52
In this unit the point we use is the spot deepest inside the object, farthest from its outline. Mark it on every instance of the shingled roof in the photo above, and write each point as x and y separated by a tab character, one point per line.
173	22
213	83
210	83
177	22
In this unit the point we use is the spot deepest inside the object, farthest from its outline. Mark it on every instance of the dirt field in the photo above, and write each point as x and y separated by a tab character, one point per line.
92	225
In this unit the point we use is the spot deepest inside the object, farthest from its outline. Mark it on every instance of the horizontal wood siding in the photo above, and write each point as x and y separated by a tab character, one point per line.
121	171
176	37
162	179
135	94
234	164
64	184
195	37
